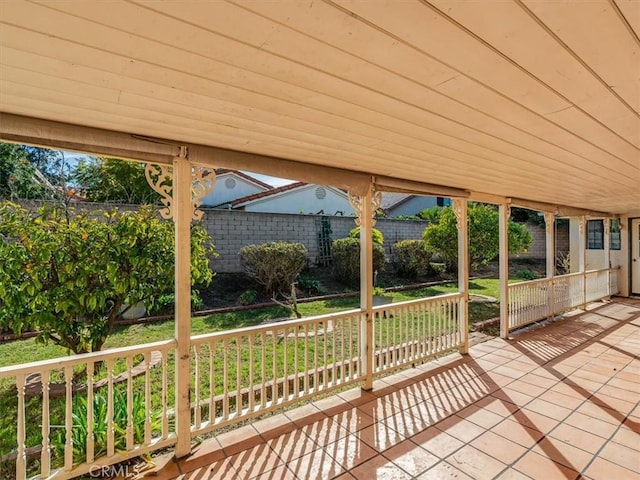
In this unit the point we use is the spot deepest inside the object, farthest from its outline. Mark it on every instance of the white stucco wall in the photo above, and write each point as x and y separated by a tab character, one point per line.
225	190
415	205
594	259
304	200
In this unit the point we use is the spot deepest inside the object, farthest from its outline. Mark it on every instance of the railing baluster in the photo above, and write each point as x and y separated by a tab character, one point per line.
45	455
165	386
225	379
285	364
21	458
263	394
325	339
342	357
212	382
315	356
147	398
238	376
306	358
129	435
196	408
68	418
334	359
110	426
252	394
274	370
351	327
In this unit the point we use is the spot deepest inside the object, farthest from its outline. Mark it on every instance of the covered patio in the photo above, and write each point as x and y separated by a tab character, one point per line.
553	402
513	103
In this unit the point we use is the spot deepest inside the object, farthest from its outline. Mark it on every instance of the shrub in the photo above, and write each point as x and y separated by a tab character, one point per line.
526	274
80	430
346	260
377	236
166	303
411	258
274	265
310	285
247	297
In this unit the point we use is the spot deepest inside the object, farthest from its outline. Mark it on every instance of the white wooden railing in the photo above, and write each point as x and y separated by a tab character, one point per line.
416	330
236	375
128	418
245	372
539	299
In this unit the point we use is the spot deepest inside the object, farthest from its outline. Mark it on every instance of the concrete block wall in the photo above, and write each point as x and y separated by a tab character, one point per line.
538	247
232	230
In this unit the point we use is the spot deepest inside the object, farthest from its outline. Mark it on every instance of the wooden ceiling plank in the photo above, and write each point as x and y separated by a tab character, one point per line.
164	74
142	47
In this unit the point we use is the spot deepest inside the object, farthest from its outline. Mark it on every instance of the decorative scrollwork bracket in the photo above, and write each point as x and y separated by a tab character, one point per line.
357	202
549	220
160	179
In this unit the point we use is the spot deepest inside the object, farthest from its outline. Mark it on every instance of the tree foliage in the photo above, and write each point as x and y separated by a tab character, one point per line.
69	275
441	237
376	235
110	180
29	172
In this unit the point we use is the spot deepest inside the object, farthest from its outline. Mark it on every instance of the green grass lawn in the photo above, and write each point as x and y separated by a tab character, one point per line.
22	351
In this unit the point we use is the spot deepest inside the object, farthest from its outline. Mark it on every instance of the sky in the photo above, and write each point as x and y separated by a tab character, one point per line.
73	157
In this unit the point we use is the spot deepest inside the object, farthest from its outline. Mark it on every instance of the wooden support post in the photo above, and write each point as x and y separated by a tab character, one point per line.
182	213
550	220
460	210
504	213
607	251
582	252
366	287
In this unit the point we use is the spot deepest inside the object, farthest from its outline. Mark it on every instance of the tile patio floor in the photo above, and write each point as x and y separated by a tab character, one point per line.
558	402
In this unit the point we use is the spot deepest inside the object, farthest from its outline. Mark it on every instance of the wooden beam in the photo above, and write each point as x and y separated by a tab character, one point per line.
95	141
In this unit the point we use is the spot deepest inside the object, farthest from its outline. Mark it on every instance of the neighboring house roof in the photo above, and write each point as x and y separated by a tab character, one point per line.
391	200
222	171
239	202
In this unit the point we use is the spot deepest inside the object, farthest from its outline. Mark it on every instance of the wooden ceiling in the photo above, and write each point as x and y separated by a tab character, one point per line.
518	98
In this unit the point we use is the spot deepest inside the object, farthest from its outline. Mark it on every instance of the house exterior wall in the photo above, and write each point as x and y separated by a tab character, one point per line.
415	205
227	191
303	201
621	258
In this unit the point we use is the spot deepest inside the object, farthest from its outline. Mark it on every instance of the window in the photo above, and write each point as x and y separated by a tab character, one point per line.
614	244
595	234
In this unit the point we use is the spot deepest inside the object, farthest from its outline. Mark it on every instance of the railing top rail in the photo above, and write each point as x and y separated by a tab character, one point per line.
72	360
530	282
560	277
273	325
418	301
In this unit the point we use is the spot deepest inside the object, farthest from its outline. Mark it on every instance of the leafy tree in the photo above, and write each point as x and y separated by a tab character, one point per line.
69	275
441	238
20	174
110	180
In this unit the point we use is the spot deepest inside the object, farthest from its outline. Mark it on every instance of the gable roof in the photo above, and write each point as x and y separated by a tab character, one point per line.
391	200
268	193
249	178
